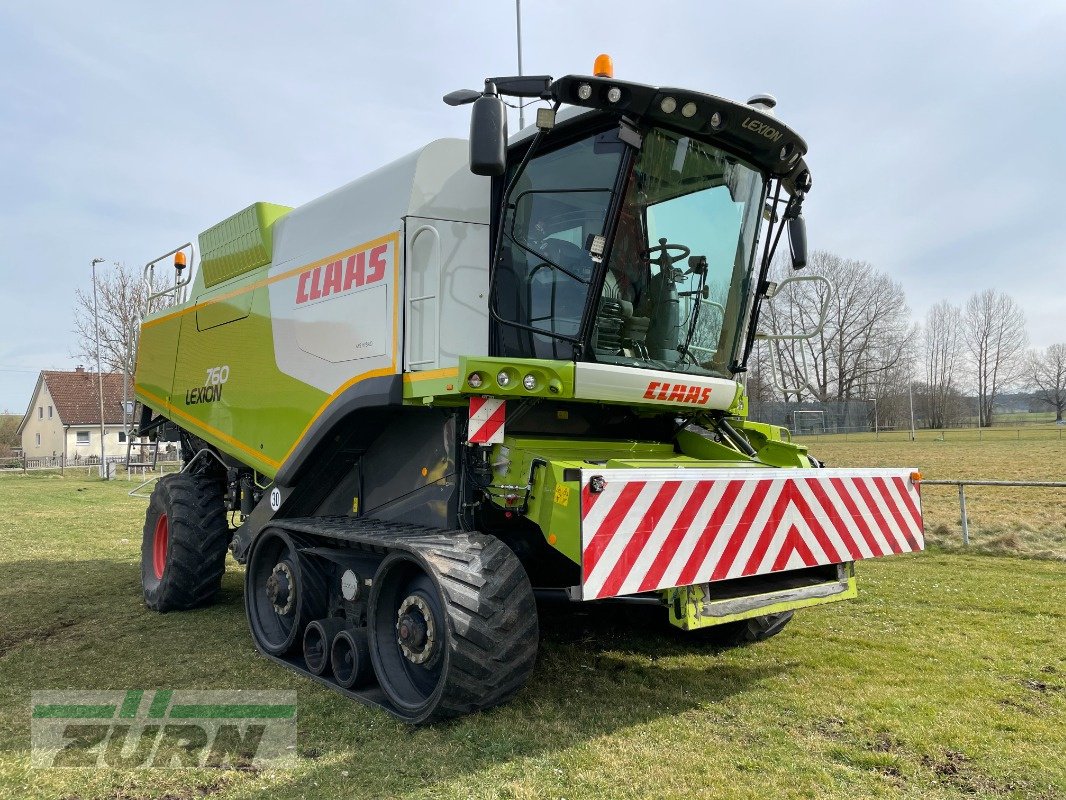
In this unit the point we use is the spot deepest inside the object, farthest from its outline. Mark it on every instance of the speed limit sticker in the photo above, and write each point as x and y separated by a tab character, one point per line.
275	498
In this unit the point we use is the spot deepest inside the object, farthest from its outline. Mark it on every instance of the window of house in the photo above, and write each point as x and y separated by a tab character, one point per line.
49	412
38	440
40	412
121	437
82	437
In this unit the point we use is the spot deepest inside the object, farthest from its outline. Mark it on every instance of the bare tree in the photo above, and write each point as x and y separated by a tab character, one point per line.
993	332
123	299
864	347
943	357
1048	377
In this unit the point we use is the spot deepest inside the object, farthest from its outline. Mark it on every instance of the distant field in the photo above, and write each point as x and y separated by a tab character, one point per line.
945	679
1002	519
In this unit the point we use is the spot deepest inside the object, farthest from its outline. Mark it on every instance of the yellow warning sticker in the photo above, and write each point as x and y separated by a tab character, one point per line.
562	495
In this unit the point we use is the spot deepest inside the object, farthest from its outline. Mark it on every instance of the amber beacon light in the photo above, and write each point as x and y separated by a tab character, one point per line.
603	66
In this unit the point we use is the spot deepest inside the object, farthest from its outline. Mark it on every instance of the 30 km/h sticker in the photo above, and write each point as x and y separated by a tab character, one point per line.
487	416
275	498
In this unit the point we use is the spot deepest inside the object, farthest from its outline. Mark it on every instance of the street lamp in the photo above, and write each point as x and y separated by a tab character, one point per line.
99	374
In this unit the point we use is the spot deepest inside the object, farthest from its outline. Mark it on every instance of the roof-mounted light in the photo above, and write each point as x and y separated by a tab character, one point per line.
614	94
688	110
584	91
603	67
668	105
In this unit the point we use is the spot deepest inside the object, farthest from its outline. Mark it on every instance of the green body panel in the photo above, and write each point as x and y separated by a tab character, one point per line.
554	379
258	413
773	444
239	243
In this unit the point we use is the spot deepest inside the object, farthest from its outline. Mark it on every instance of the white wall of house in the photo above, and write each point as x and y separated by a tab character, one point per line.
83	441
44	435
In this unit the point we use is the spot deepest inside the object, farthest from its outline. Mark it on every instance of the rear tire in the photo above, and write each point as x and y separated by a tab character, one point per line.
183	546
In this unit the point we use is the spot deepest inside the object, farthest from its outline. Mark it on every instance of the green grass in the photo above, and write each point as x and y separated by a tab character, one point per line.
945	679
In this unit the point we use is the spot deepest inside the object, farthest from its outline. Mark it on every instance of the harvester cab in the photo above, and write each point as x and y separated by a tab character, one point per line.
497	367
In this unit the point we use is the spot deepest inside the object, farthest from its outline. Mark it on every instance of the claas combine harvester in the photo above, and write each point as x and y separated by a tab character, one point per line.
495	369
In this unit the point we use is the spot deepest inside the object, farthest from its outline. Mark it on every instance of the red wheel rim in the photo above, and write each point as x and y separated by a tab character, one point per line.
159	545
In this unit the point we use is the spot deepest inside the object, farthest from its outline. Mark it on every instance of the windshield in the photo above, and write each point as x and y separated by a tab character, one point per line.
675	283
677	277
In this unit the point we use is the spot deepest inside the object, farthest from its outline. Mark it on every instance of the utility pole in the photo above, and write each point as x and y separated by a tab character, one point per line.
910	397
518	18
876	429
99	374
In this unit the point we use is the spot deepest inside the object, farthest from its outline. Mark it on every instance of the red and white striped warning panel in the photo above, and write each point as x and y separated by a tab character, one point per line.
653	529
486	420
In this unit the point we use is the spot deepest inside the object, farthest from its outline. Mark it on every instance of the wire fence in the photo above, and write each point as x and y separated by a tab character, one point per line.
88	464
962	484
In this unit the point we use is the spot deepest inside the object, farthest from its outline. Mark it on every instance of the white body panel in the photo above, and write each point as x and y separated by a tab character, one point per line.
447	293
648	386
336	324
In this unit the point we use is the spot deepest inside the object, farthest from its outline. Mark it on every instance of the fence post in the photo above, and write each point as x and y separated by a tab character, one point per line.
962	510
25	463
62	463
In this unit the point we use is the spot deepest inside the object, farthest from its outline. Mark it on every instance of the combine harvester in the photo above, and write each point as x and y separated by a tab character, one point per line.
494	367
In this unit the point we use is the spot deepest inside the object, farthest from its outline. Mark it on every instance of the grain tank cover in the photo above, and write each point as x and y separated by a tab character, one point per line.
239	243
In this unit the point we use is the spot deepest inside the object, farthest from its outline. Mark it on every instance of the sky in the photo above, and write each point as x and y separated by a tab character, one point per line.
934	129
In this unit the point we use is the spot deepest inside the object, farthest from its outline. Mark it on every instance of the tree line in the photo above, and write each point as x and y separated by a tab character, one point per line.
953	365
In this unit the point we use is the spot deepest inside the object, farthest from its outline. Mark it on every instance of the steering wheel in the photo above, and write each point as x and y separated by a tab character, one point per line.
665	258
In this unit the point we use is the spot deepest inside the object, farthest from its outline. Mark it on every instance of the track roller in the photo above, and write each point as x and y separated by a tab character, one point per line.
350	657
318	638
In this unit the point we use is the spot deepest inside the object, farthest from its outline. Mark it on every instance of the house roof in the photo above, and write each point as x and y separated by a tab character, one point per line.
76	397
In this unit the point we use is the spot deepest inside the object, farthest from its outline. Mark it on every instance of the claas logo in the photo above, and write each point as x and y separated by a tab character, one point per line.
678	393
342	275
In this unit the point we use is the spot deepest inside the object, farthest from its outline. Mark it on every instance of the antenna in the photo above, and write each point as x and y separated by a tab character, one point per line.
518	22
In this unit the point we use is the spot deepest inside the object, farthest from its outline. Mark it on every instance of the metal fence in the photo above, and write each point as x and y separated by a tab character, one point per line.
90	464
962	484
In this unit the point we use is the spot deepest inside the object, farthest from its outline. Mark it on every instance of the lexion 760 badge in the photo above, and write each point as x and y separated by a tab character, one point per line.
167	729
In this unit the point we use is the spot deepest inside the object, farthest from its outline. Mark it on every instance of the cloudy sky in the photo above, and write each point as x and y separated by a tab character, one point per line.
935	128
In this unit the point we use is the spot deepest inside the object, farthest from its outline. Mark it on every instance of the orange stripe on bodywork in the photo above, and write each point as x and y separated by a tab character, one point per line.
389	237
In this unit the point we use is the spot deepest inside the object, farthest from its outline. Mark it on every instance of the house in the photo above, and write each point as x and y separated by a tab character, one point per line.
63	416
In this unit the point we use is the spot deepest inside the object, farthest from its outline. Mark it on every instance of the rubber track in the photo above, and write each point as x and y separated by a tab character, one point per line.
492	615
198	540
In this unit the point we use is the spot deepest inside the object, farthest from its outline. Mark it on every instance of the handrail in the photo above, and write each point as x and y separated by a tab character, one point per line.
150	267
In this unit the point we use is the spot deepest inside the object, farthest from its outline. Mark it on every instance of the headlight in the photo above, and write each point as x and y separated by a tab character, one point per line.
503	378
614	94
530	382
668	105
584	91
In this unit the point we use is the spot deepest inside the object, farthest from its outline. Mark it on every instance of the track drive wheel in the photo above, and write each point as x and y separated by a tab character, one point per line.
283	592
183	546
748	631
452	633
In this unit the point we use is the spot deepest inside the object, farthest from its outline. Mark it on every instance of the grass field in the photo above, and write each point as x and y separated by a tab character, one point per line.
945	679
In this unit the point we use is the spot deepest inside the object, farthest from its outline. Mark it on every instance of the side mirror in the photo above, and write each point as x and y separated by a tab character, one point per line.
797	241
488	136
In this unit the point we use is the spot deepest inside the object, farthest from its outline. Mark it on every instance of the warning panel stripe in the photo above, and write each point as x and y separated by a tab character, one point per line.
647	530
